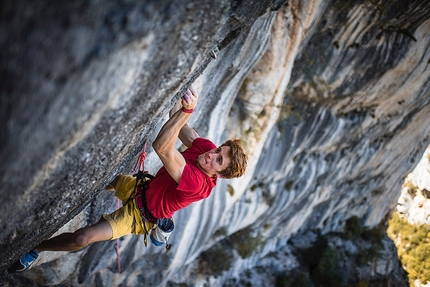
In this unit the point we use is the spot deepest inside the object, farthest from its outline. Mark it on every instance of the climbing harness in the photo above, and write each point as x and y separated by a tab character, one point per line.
139	166
140	196
161	227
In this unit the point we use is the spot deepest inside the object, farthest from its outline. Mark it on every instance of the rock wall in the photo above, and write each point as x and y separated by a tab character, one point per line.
331	99
414	202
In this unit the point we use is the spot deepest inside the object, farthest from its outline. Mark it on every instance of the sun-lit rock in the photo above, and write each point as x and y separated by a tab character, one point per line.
331	100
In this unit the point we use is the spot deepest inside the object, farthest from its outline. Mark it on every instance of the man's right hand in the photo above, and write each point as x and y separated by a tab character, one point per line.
190	97
175	108
189	100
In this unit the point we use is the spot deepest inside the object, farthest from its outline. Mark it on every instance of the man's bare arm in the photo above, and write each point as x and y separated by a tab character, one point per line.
164	144
187	134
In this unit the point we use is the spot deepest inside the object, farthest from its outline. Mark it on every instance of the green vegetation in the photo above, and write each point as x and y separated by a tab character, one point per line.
230	189
222	232
321	260
289	185
268	198
220	257
215	260
411	188
374	235
354	229
293	279
260	184
287	111
265	192
413	246
245	242
363	283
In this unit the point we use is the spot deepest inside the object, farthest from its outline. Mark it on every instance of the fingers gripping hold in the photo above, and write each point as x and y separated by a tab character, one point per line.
189	100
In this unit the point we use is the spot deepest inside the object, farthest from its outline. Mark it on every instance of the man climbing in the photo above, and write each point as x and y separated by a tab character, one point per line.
184	178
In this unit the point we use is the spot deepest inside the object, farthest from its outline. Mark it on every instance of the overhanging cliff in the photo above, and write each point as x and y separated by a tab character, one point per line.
332	100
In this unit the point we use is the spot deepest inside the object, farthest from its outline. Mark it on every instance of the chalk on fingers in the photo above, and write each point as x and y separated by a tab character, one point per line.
186	97
192	90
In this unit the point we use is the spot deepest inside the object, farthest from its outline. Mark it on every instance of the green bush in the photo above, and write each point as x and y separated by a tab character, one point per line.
413	246
411	188
245	242
321	260
222	232
294	278
353	227
368	255
230	189
363	283
327	273
216	260
289	185
313	255
374	235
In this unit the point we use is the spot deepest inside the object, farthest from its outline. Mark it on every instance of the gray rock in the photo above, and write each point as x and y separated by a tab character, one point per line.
331	99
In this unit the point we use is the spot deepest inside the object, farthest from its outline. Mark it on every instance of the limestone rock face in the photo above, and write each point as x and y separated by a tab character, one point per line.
414	203
332	100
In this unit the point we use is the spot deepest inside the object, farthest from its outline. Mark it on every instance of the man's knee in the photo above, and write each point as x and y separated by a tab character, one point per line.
100	231
112	185
82	238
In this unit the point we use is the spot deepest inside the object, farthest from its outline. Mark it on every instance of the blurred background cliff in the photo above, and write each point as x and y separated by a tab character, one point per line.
331	98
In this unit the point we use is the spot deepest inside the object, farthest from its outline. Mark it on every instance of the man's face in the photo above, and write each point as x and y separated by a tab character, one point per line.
214	161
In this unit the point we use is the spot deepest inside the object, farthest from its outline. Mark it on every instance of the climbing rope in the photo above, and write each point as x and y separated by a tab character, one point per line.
118	253
140	163
139	166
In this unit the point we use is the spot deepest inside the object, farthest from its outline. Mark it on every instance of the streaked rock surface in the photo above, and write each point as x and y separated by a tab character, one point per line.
332	100
414	203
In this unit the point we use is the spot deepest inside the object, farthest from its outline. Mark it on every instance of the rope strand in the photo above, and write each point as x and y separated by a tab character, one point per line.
139	166
118	252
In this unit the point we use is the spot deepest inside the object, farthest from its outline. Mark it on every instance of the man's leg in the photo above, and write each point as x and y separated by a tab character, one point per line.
112	185
77	240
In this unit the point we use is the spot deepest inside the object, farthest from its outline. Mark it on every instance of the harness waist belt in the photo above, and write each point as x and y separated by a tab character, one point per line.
140	198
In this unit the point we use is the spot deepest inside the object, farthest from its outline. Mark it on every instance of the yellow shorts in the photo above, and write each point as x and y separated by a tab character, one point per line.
127	219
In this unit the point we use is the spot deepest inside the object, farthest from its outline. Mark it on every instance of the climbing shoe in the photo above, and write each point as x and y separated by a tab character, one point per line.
24	262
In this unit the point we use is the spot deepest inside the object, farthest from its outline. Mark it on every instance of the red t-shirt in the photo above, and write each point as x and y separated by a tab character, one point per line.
165	196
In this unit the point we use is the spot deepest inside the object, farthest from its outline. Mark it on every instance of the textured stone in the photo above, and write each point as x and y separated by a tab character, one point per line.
414	203
332	101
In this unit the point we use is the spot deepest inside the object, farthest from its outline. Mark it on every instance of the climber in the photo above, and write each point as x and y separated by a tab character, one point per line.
184	178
